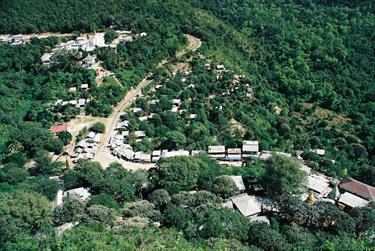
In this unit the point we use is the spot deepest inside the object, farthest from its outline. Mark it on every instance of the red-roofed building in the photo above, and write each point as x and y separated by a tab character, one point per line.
358	188
59	128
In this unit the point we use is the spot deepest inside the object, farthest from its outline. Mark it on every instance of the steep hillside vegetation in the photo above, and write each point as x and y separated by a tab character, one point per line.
311	63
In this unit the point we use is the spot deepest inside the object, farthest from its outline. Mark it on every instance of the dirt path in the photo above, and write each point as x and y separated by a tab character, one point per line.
110	123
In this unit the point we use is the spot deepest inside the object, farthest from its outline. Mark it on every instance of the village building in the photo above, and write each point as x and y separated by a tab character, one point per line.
88	62
84	87
17	39
247	205
197	152
140	134
97	137
137	109
175	154
320	152
78	193
220	67
143	118
193	116
349	200
90	135
358	188
249	148
81	102
122	124
125	153
264	155
155	156
145	158
46	58
72	89
319	185
59	128
73	102
137	157
234	154
216	152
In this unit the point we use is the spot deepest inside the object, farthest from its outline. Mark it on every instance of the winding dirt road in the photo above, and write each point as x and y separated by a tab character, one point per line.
110	123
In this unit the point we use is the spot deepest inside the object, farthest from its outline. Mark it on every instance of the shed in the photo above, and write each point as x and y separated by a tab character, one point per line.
250	147
216	152
145	158
247	205
140	134
234	154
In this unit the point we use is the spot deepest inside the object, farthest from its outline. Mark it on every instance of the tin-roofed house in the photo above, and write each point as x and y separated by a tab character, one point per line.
234	154
216	152
355	193
250	148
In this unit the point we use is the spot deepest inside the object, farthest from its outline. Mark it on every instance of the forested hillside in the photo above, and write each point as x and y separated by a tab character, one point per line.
311	64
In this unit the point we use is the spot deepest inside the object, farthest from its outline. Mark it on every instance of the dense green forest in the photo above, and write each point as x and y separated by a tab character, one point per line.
124	203
312	59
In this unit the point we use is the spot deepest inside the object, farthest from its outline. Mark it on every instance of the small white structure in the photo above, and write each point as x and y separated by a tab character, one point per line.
234	154
72	89
122	124
193	116
47	58
197	152
82	102
73	102
91	135
78	193
140	134
97	137
249	147
136	109
320	152
175	153
84	86
216	152
220	67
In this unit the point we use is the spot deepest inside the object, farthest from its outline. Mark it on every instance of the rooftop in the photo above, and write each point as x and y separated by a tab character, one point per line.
352	200
358	188
247	205
59	128
216	149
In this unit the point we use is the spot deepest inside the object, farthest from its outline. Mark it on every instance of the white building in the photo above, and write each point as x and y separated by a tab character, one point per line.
78	193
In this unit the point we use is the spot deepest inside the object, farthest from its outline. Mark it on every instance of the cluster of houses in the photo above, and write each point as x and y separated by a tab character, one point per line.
12	39
88	43
80	102
86	148
349	193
